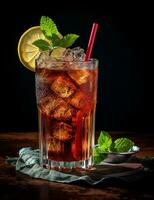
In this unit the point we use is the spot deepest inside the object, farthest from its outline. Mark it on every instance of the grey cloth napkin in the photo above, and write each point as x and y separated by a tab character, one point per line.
28	163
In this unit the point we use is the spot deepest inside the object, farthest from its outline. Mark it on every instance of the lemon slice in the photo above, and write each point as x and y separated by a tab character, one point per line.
28	52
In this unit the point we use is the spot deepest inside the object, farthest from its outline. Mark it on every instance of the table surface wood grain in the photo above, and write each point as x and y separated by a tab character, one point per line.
14	185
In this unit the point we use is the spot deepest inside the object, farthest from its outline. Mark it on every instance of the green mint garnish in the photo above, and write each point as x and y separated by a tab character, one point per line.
106	144
48	27
66	41
42	44
54	38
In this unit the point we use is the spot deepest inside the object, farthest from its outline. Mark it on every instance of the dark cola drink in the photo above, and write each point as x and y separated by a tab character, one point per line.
66	98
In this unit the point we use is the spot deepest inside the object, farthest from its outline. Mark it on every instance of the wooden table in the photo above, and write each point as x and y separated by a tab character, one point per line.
16	186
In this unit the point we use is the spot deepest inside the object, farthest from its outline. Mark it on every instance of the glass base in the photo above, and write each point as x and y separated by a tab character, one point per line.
60	165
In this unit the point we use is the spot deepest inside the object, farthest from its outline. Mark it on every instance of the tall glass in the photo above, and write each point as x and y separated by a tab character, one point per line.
66	99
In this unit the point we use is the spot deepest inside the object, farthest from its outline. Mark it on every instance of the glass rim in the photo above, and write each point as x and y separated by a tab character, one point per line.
91	60
90	64
80	61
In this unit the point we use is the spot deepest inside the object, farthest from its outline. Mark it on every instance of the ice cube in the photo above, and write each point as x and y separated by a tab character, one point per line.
68	55
42	89
75	54
78	54
49	103
55	146
43	73
46	76
78	100
79	76
63	87
48	61
63	112
62	131
41	60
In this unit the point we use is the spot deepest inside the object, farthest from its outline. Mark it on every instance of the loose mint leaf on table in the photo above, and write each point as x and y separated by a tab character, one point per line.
97	159
104	141
106	144
48	27
111	149
42	44
98	156
123	144
96	151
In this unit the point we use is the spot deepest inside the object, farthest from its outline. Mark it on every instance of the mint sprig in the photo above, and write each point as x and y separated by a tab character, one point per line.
98	156
106	144
54	38
104	141
48	27
66	41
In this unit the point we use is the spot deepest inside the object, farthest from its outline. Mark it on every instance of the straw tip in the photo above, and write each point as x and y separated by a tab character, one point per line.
95	23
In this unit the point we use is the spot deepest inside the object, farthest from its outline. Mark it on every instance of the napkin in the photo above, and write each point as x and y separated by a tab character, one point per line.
130	172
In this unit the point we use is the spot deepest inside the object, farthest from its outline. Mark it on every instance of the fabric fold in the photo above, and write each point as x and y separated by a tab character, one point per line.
28	163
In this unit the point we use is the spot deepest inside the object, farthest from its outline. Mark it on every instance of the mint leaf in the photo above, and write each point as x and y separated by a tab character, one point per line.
104	141
112	149
98	159
55	40
98	156
42	44
123	144
96	151
105	144
48	27
67	40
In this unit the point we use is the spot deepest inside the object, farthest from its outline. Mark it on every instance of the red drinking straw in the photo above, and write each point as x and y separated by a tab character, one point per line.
91	41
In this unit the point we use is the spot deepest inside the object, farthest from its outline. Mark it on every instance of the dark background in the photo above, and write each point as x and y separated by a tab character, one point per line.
119	46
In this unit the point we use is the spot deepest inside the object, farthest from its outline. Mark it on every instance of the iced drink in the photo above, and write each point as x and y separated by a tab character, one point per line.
66	90
66	93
